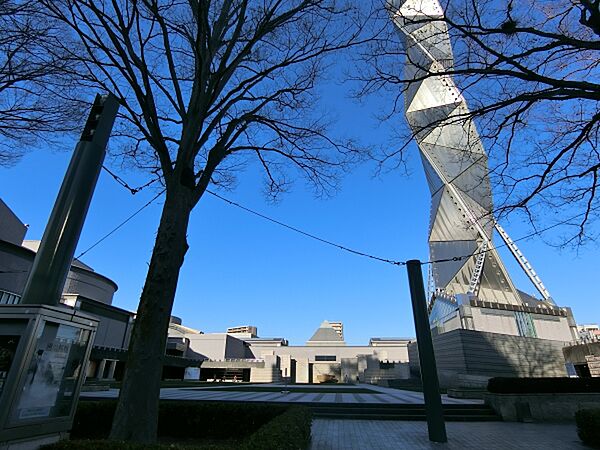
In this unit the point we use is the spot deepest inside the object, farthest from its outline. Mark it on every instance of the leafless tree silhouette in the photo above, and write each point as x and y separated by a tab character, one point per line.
32	82
205	87
529	71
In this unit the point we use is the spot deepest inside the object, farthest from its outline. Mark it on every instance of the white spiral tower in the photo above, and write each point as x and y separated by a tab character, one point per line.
456	166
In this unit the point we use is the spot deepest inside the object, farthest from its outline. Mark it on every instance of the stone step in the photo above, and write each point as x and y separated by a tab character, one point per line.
475	413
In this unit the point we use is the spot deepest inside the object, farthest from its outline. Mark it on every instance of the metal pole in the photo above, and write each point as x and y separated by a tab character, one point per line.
53	259
429	377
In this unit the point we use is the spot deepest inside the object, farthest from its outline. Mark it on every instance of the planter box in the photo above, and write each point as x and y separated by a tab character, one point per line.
540	407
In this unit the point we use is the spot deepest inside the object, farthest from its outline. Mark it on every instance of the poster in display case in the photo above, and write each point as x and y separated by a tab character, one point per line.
53	372
8	348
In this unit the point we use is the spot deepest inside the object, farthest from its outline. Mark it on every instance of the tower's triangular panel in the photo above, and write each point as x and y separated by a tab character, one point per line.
433	179
451	162
495	286
434	36
444	272
451	222
420	8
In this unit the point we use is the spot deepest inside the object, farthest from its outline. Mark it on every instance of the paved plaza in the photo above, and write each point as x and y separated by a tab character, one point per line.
330	434
379	395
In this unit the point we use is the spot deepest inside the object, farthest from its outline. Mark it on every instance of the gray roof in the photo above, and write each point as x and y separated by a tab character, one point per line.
326	333
385	339
530	300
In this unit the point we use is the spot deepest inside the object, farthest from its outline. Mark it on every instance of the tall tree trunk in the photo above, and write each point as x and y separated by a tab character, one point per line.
137	409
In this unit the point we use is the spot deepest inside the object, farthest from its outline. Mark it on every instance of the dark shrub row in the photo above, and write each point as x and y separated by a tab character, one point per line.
181	419
503	385
106	445
289	431
588	426
257	426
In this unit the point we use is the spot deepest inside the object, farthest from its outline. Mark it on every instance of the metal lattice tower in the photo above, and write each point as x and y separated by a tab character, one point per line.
455	163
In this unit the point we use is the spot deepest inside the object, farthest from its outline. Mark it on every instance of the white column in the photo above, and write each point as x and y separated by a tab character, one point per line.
100	370
111	369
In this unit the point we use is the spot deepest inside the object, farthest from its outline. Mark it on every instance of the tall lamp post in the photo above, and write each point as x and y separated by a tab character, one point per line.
429	377
45	347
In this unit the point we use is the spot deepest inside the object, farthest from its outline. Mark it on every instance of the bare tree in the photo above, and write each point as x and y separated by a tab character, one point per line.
32	81
205	87
529	71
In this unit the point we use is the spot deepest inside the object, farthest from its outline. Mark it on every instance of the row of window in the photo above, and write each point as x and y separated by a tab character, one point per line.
325	358
6	298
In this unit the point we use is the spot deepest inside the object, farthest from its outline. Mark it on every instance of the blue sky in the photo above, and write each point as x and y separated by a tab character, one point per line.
241	269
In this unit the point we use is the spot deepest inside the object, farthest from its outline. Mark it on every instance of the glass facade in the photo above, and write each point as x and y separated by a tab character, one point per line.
525	324
442	308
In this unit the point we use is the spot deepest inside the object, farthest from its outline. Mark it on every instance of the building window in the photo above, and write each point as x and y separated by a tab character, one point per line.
7	298
325	358
525	324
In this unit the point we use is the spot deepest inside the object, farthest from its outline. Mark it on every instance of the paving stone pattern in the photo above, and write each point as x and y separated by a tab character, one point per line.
331	434
381	396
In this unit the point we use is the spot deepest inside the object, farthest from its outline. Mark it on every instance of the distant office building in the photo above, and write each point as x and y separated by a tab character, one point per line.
588	333
249	330
338	327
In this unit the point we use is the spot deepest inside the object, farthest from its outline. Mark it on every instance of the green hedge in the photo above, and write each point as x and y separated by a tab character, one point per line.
106	445
588	426
289	431
122	445
182	419
503	385
256	426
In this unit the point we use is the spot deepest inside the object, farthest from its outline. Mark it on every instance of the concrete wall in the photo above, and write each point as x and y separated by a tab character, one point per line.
11	228
327	369
14	258
90	284
234	348
552	327
112	333
399	353
211	346
501	321
491	354
576	353
270	373
541	407
300	362
79	281
495	321
302	370
349	370
114	326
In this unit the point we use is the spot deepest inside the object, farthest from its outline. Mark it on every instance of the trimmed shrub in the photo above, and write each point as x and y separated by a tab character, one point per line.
588	426
182	419
93	419
502	385
289	431
100	445
123	445
190	419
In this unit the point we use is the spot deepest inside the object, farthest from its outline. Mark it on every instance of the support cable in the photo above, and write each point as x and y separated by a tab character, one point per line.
312	236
